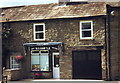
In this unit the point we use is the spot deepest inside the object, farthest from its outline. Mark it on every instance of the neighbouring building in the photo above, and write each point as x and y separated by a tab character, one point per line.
69	40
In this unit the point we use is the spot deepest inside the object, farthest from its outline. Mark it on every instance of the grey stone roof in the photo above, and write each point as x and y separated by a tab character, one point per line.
51	11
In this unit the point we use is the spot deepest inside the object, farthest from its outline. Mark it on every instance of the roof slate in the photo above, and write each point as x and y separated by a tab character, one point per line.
51	11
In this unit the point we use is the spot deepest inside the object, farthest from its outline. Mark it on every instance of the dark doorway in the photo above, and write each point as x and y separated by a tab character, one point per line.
87	64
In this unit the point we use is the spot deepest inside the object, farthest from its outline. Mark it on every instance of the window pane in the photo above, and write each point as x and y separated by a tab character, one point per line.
35	59
39	28
56	60
35	62
14	64
86	33
39	35
44	62
86	25
35	52
44	52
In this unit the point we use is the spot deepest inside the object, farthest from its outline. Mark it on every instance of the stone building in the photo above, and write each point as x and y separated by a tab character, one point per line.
70	40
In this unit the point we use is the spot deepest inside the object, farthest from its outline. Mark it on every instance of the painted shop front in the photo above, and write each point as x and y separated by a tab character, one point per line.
44	58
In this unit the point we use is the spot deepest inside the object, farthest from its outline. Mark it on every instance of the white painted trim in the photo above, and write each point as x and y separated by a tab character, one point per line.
34	32
57	53
39	57
58	68
10	62
86	29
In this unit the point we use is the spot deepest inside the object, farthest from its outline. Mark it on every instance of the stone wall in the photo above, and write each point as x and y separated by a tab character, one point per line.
58	30
13	74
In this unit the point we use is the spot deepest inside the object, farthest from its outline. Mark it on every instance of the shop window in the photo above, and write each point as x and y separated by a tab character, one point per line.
39	31
13	63
86	30
40	60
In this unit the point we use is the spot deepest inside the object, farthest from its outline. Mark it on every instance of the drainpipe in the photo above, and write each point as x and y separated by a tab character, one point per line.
105	39
108	40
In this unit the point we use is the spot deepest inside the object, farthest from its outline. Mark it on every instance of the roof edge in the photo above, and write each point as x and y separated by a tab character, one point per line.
51	18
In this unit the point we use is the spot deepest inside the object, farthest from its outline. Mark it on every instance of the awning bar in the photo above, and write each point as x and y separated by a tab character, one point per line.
42	44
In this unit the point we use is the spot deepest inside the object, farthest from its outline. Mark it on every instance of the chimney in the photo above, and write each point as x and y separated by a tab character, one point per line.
72	2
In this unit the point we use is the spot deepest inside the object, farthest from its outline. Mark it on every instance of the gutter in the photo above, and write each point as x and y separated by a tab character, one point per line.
48	18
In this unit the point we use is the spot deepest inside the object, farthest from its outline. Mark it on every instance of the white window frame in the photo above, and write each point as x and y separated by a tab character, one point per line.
39	58
81	37
34	31
11	59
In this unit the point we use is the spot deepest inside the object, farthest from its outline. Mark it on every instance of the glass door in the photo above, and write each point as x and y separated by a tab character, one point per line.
56	69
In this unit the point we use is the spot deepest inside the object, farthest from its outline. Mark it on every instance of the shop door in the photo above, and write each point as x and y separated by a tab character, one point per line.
87	64
56	69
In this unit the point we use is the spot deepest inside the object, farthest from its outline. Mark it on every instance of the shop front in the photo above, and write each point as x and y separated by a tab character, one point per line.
44	59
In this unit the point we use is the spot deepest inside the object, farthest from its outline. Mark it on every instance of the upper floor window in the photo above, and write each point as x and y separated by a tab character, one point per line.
13	63
86	29
39	31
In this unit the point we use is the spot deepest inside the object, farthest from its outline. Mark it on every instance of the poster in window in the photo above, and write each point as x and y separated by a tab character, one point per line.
35	67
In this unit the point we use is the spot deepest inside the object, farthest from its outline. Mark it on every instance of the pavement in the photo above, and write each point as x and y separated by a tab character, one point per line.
60	80
53	81
63	81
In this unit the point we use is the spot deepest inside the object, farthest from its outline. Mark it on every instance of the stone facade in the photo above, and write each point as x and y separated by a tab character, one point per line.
58	30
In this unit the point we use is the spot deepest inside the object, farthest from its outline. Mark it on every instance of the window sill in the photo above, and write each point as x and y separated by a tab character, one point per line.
16	69
39	40
41	71
86	39
12	69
